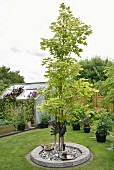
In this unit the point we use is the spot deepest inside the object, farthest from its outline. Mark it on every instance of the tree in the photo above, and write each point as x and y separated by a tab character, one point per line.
93	69
69	35
8	77
108	89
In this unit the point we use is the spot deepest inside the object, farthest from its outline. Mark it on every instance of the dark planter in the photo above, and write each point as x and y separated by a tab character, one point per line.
100	138
44	125
86	129
76	126
21	127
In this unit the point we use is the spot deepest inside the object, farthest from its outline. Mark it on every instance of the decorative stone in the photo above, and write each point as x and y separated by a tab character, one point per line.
76	154
110	149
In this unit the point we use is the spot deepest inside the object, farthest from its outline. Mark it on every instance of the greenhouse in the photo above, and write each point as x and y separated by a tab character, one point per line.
25	91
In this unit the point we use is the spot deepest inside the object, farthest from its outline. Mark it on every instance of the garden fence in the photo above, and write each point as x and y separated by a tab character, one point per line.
97	101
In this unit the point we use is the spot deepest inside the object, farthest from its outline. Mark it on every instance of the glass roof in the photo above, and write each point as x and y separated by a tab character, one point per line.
25	94
28	89
33	86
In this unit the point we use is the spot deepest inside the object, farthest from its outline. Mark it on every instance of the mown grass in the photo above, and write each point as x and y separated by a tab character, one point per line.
13	149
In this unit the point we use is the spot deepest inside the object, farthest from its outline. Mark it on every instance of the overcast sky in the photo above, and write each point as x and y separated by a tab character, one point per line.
24	22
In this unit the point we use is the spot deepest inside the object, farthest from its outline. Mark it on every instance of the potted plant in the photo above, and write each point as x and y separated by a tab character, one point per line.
28	107
76	115
29	118
86	124
44	121
87	119
19	118
104	126
76	125
21	121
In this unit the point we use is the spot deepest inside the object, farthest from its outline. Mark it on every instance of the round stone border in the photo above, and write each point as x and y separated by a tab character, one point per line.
85	156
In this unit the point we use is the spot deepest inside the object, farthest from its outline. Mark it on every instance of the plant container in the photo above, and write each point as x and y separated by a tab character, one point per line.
86	129
21	127
44	125
76	126
100	138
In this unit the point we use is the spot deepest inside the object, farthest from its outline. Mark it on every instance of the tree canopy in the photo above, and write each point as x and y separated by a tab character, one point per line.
69	35
93	69
109	84
70	32
107	87
8	77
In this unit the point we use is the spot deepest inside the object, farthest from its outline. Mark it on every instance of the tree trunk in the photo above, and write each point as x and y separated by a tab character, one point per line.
59	142
54	142
62	142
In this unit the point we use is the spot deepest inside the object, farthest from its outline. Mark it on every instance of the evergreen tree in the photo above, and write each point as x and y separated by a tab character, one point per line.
8	77
93	69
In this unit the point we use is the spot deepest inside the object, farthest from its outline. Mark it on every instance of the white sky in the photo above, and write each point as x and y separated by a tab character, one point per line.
24	22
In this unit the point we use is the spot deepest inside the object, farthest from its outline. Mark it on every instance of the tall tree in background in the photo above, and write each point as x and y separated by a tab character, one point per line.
107	87
69	36
8	77
109	84
93	69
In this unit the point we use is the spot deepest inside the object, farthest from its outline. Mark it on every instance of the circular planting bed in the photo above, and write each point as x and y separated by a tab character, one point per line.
74	155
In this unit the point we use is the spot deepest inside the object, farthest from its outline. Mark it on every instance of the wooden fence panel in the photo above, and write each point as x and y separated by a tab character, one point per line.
98	102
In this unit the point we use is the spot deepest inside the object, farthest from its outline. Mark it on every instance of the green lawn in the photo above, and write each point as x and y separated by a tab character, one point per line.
14	148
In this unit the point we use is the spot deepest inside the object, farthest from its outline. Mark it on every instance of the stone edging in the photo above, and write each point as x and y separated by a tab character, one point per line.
85	156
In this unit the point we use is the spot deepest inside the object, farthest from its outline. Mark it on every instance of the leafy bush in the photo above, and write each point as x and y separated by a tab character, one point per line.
5	122
45	118
105	123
